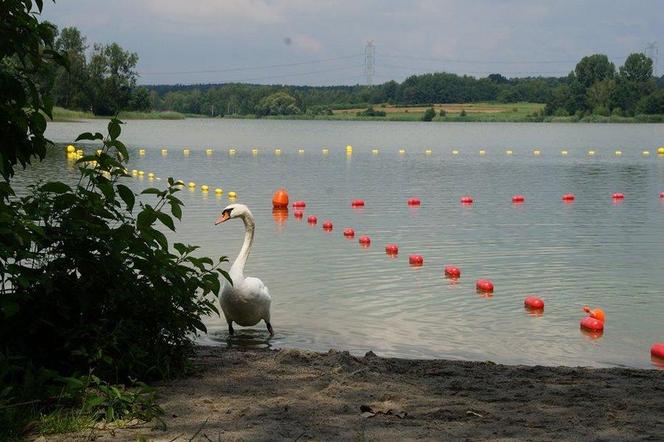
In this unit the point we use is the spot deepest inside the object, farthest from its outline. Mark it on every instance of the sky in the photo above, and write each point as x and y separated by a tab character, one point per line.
323	42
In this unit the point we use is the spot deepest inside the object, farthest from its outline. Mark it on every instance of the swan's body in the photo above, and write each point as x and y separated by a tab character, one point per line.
248	300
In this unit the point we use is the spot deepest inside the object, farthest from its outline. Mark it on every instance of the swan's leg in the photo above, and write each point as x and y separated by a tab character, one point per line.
230	328
269	328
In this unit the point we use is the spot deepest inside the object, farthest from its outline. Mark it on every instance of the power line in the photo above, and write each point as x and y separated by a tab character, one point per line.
410	68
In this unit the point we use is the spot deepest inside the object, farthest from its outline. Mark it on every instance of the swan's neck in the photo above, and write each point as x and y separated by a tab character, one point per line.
237	269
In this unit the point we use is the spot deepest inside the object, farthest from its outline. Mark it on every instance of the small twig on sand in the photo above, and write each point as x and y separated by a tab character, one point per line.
199	429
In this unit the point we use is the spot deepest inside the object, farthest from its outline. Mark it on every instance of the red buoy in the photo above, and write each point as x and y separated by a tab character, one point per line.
414	202
391	249
312	219
518	199
466	199
657	350
484	285
357	203
568	197
349	233
299	204
327	225
618	196
452	272
533	303
280	199
416	260
592	324
298	214
365	241
661	195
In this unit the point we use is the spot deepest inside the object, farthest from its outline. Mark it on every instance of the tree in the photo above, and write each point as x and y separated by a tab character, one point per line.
429	114
594	68
279	103
637	67
652	104
112	76
598	96
140	100
71	84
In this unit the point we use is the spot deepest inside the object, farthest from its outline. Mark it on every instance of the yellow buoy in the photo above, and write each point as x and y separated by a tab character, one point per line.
660	151
618	153
455	152
508	152
300	151
536	152
254	151
218	191
645	153
232	195
71	149
164	152
277	151
208	151
482	152
563	152
204	188
141	152
231	151
98	151
349	149
151	175
374	151
186	151
427	152
134	172
80	152
402	151
191	184
141	173
591	153
326	151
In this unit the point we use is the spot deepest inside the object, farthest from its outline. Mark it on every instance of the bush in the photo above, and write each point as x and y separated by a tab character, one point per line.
443	113
371	112
429	114
462	113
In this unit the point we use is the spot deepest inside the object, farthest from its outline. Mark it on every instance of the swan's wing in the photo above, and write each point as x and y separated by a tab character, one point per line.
256	286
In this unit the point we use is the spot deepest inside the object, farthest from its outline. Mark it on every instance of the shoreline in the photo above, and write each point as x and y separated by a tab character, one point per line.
261	394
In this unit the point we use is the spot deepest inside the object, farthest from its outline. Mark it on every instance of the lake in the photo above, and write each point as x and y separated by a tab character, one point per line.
328	292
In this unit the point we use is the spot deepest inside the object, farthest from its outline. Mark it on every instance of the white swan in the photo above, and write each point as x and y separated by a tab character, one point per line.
247	301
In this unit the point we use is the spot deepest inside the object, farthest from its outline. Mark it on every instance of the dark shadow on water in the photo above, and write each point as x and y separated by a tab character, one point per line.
249	338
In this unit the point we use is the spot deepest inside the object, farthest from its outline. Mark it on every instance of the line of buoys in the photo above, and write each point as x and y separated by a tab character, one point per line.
533	303
164	152
141	152
299	204
141	173
312	219
280	199
191	185
300	151
71	149
232	195
618	196
414	202
563	152
327	225
298	214
661	195
452	272
277	151
455	152
392	249
645	153
428	152
208	151
357	203
591	324
374	151
484	285
150	174
416	260
591	153
402	151
134	172
467	199
518	199
482	152
232	151
536	152
660	151
364	241
657	350
618	153
508	152
568	197
186	151
326	151
349	232
218	191
349	149
204	188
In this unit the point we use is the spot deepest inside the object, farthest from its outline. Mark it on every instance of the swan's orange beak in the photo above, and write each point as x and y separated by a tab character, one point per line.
225	216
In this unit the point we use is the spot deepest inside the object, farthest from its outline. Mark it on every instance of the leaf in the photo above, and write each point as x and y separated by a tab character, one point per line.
114	129
146	218
151	191
127	196
89	136
55	187
176	210
166	220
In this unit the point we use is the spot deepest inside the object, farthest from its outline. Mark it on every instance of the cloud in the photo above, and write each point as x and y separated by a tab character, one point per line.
218	13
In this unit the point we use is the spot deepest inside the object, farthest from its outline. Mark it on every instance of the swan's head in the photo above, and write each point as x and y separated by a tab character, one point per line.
234	211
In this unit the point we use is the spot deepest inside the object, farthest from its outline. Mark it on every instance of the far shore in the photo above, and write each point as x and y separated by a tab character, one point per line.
261	395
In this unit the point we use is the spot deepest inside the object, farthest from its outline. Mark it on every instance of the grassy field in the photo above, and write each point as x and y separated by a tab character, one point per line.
61	114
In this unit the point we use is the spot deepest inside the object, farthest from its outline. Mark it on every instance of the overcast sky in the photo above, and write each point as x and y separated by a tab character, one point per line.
321	42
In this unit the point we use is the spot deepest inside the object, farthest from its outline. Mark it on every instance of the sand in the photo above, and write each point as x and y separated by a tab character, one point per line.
260	395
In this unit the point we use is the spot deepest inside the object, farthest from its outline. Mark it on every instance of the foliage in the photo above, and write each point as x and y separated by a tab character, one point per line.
279	103
112	78
371	112
429	114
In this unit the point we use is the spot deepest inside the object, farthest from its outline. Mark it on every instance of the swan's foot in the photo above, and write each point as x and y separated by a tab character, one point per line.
230	329
269	328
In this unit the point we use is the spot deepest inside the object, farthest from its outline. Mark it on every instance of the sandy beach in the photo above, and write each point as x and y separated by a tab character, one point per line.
260	395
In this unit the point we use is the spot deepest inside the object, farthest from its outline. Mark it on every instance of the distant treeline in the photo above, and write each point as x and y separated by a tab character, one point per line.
105	83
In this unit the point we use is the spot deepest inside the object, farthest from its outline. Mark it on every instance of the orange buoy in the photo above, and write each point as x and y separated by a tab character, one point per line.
518	199
533	303
298	214
349	233
280	199
596	313
312	219
357	203
416	260
568	197
484	285
657	350
591	324
618	196
327	225
364	240
391	249
413	202
299	204
452	272
466	199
